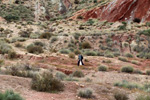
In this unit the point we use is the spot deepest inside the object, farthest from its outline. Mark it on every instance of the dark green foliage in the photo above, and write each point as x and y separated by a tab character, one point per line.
145	32
78	74
16	12
120	96
90	22
102	68
85	93
47	83
34	49
10	95
25	33
127	69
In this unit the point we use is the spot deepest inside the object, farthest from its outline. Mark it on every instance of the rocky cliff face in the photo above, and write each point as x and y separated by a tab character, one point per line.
119	10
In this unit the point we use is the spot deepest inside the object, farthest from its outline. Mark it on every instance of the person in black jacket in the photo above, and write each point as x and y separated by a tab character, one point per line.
80	58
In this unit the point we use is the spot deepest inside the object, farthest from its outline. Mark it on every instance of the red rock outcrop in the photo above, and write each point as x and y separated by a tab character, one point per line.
119	10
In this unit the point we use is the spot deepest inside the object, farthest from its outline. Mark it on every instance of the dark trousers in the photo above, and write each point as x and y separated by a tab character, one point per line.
79	62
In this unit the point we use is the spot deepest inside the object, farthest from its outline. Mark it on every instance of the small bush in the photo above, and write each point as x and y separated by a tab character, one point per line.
137	71
64	51
86	45
17	44
34	49
60	75
78	74
47	83
126	84
77	52
71	79
127	69
54	39
85	93
102	68
12	55
129	55
120	96
107	61
135	62
46	35
148	72
142	97
10	95
123	59
77	35
71	55
90	53
38	43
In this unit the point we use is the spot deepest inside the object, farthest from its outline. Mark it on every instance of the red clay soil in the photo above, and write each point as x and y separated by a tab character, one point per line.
119	10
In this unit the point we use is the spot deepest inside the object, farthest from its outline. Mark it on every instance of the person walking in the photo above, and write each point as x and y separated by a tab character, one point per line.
80	58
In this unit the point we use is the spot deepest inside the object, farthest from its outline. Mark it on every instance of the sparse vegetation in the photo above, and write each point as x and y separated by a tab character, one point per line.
121	96
123	59
143	97
102	68
86	45
71	55
148	72
34	49
47	83
10	95
85	93
127	69
78	74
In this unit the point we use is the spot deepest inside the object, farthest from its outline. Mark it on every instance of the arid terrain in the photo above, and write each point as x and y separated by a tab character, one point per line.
40	41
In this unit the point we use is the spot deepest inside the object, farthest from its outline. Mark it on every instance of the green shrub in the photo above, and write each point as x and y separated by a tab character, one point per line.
102	68
90	53
45	35
16	12
38	43
137	71
78	74
47	83
77	35
77	52
148	72
60	75
127	69
135	62
123	59
122	27
12	55
116	54
120	96
71	79
10	95
25	33
142	97
71	55
64	51
107	61
109	55
129	55
34	49
85	93
54	39
5	48
17	44
126	84
86	45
